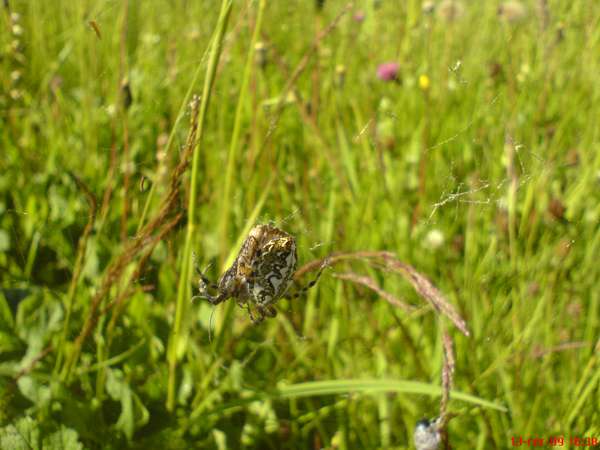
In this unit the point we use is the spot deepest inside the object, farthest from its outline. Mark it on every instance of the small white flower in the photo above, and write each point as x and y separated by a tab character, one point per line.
111	110
17	30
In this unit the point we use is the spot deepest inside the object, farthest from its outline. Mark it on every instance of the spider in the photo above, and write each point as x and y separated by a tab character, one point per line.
260	275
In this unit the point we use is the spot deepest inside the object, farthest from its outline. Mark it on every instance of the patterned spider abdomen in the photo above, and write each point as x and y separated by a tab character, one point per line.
273	266
266	263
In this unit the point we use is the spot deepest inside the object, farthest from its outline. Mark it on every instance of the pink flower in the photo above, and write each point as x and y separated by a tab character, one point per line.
388	71
359	16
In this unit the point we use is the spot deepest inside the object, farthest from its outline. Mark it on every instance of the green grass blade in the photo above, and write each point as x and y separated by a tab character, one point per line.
232	157
178	337
372	386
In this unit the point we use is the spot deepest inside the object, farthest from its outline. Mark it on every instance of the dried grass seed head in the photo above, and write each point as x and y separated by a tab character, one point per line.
450	10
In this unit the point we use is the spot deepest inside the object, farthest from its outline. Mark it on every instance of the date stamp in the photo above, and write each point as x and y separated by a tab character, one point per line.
554	441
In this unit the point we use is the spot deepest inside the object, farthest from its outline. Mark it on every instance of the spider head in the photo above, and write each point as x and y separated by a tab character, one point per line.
228	287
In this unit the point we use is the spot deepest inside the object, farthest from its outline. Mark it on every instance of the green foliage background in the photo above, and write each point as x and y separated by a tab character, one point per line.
479	166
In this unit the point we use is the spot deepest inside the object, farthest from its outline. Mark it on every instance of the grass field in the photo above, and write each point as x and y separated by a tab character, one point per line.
458	187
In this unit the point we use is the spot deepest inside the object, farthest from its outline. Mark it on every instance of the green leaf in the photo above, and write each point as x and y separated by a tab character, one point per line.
9	342
24	435
39	394
7	320
4	241
133	412
119	391
63	439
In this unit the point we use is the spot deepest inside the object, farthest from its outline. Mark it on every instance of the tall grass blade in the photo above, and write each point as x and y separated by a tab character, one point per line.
178	336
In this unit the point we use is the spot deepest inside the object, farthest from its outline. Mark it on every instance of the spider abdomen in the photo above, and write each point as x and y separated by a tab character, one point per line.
273	267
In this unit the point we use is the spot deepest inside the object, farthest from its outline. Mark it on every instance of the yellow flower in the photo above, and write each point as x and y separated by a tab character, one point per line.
424	82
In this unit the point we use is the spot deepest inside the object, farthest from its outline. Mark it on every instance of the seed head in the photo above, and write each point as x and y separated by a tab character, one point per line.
512	11
451	10
261	54
428	7
340	75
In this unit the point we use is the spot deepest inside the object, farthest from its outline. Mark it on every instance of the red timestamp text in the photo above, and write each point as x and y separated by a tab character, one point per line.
554	441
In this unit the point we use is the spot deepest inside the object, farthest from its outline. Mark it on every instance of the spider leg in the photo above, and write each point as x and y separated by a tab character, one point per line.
201	274
266	311
206	281
255	320
204	284
212	299
270	311
302	290
216	300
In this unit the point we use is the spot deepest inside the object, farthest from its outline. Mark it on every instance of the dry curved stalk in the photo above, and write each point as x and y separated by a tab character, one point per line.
420	282
429	292
79	259
340	256
145	238
447	374
371	284
447	381
540	352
